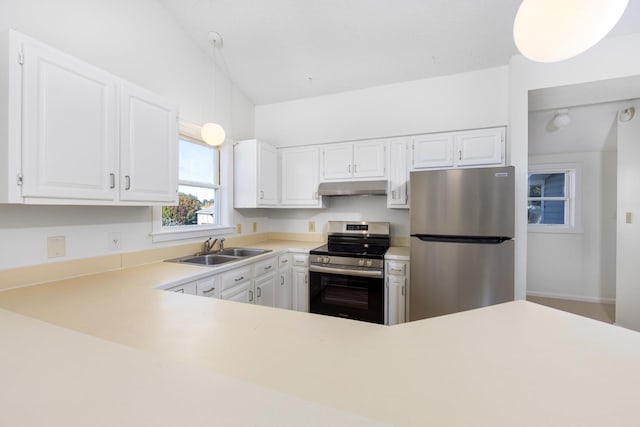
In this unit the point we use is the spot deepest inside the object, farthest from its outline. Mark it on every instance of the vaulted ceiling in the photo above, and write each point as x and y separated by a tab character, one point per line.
277	50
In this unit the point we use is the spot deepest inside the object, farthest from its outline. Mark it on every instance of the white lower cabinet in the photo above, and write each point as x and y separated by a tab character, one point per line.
283	287
300	282
396	287
209	287
241	293
266	289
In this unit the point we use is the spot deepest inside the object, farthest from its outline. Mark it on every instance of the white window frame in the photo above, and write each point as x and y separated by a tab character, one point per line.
573	185
191	132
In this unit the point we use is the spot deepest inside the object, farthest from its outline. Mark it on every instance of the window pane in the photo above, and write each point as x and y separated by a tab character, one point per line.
546	212
547	185
196	205
197	163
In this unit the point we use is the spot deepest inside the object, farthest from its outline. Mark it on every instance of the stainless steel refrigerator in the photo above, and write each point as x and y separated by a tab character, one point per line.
462	250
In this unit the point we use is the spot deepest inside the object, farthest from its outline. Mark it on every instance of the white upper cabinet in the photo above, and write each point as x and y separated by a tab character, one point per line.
149	149
357	160
458	149
480	147
299	177
69	133
398	195
79	135
255	174
432	151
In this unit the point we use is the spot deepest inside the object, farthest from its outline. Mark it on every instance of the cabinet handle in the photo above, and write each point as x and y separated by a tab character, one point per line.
261	194
355	168
306	277
259	292
349	168
402	290
268	267
284	261
209	290
399	270
459	154
238	279
112	180
127	181
281	280
250	296
180	291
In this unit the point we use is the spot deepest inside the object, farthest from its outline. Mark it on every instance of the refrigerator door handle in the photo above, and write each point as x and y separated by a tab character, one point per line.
483	240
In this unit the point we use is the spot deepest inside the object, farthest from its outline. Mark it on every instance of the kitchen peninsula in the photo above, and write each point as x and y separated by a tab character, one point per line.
228	363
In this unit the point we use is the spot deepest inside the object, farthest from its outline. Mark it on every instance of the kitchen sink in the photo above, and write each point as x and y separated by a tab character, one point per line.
220	257
208	259
243	252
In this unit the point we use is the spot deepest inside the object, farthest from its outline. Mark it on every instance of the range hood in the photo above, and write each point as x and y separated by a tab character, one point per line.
352	188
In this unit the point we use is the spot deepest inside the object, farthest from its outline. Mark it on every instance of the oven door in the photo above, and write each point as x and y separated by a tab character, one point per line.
344	295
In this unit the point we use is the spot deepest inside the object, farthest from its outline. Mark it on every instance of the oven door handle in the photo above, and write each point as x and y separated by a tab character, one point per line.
346	272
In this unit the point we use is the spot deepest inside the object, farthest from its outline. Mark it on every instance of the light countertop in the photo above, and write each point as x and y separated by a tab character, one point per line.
510	364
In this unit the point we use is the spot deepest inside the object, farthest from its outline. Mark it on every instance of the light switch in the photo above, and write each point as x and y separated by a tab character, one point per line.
55	246
239	228
254	227
628	218
312	226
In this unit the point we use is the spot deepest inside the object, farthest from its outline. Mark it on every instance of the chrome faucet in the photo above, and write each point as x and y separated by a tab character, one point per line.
221	243
208	245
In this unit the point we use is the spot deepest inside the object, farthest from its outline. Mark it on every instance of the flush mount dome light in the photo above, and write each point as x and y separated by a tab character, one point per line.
555	30
561	118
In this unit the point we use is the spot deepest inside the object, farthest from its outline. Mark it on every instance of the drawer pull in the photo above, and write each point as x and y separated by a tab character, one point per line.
399	270
259	292
209	290
180	291
239	278
268	267
284	261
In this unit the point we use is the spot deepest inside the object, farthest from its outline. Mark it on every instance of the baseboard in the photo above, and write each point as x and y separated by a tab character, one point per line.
596	300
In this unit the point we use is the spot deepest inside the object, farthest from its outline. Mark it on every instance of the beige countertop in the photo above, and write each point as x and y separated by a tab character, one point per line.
511	364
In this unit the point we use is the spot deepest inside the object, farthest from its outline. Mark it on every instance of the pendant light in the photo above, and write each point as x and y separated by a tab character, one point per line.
555	30
212	133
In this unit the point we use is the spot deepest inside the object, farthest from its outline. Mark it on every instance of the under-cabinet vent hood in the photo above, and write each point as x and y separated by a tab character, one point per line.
352	188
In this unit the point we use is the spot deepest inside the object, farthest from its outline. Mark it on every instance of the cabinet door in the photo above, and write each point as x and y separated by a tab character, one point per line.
266	290
149	147
480	147
337	162
369	159
283	291
299	176
300	288
241	293
432	151
69	127
187	288
398	175
396	288
268	175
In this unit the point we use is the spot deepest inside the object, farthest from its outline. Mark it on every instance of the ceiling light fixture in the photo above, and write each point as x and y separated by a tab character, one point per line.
561	119
212	133
555	30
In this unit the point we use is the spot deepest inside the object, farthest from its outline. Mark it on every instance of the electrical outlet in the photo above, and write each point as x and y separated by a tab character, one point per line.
114	241
55	246
255	227
239	229
312	226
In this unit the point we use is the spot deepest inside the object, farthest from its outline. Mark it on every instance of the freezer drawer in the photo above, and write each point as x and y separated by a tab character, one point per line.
450	277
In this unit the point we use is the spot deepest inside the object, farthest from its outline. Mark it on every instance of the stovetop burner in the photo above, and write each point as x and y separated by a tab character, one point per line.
356	239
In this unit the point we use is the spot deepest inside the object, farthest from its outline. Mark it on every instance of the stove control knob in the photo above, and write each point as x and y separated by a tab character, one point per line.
325	260
369	262
360	262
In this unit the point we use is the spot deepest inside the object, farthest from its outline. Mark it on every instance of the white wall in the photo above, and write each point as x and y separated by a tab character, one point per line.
461	101
140	42
577	265
611	58
628	236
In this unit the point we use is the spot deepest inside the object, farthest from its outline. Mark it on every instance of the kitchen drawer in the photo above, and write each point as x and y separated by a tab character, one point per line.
266	266
283	261
209	287
187	288
396	268
300	260
235	277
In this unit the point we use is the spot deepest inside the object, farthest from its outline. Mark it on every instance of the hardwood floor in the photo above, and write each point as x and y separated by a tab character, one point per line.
597	311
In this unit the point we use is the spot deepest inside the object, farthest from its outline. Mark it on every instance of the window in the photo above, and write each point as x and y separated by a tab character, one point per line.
199	212
198	186
551	198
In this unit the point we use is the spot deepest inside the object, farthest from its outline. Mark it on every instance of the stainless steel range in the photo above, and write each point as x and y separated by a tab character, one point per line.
347	274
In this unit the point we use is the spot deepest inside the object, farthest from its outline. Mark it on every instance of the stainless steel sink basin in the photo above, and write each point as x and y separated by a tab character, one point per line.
243	252
208	259
220	257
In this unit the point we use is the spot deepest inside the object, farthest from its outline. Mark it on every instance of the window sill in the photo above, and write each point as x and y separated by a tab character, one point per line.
554	229
190	232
